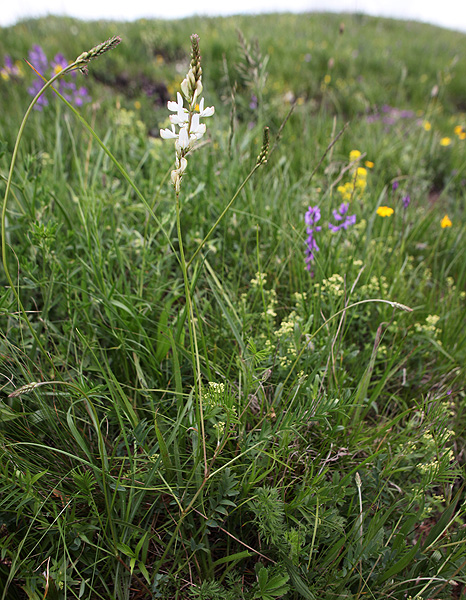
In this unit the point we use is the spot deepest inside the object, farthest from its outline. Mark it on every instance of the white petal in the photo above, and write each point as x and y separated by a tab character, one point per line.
168	134
179	119
194	123
183	139
208	112
199	132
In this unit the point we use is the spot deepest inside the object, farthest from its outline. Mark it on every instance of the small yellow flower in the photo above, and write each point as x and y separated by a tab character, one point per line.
427	126
369	164
445	141
137	105
445	222
159	59
385	211
460	131
327	79
354	155
361	173
57	69
360	184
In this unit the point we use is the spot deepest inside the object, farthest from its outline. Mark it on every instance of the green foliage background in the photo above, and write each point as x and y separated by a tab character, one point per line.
332	459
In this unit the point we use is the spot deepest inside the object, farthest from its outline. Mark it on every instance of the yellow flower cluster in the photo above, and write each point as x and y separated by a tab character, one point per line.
385	211
460	131
358	182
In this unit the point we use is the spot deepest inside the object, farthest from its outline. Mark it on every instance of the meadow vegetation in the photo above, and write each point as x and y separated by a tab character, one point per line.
233	368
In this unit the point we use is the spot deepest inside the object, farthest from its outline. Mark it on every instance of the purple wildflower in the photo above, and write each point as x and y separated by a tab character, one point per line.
35	89
9	69
66	88
406	114
339	215
254	103
395	185
406	201
58	64
81	96
311	217
38	59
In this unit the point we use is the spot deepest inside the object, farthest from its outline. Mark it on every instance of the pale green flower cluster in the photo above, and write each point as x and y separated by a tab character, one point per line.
287	335
214	394
259	280
377	287
219	428
333	286
429	327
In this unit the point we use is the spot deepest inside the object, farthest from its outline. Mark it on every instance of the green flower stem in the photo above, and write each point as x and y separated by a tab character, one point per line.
192	332
224	212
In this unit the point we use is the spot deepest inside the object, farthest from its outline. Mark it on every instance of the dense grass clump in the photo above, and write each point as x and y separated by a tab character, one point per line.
233	361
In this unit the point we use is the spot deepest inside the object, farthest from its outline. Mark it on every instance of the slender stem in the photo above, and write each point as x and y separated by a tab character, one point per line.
225	210
192	332
5	203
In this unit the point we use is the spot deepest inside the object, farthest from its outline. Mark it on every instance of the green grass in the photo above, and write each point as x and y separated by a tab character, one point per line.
202	417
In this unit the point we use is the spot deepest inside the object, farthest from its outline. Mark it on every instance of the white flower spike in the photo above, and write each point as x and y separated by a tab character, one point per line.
187	119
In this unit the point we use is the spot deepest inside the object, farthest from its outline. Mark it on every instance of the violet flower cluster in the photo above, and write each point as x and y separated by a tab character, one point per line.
312	217
68	89
340	214
10	69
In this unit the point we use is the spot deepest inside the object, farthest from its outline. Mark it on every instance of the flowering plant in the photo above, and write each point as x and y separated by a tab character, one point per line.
67	89
187	119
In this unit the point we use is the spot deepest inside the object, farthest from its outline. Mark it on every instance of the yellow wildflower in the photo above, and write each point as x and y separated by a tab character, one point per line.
369	164
385	211
445	141
445	222
360	183
460	131
137	105
361	173
354	155
327	79
427	126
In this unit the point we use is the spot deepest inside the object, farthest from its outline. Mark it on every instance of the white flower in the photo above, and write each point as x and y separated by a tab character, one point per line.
208	112
182	143
176	106
197	129
182	114
181	164
168	134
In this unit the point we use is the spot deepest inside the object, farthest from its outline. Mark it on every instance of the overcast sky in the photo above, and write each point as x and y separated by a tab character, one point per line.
446	13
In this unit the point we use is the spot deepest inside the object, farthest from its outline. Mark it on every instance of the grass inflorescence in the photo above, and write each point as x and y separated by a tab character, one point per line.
233	351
